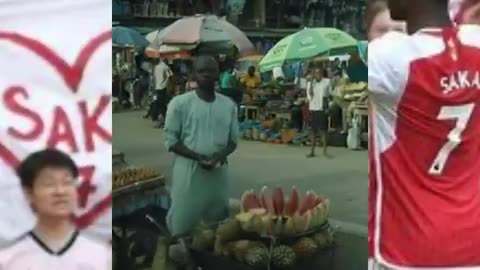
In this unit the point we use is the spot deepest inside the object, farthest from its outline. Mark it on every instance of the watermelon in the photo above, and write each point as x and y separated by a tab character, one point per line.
249	201
278	201
302	222
293	203
278	226
245	220
267	200
263	199
318	199
307	203
268	225
289	227
258	211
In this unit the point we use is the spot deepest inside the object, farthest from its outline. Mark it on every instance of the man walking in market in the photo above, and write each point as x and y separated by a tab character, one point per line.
201	129
318	92
161	77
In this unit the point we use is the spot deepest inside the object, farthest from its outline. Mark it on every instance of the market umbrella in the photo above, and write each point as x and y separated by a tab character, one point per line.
167	52
308	43
363	50
244	63
251	58
204	32
127	37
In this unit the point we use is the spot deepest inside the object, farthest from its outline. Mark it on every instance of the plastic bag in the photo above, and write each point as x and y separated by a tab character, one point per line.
353	138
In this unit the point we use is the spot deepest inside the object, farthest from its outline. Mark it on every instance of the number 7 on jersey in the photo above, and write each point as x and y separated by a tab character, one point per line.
462	114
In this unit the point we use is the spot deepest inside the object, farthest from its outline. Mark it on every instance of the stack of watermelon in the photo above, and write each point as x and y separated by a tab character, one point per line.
270	213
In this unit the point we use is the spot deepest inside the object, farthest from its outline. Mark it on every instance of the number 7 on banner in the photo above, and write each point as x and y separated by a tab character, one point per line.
462	114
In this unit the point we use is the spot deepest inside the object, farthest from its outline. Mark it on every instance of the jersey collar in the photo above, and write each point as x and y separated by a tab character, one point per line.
45	247
430	31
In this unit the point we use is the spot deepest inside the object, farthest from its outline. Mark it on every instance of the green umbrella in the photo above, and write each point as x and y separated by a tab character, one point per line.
308	43
363	50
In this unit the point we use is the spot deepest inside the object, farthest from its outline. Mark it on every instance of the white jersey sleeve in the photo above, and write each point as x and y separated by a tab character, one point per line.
470	35
386	71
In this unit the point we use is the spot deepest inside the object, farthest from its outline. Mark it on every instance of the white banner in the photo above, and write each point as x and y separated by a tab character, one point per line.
55	91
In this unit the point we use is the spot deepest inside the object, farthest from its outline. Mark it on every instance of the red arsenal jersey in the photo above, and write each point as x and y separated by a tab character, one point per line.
424	205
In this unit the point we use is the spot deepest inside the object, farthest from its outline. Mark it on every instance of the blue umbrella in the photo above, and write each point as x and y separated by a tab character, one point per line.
123	36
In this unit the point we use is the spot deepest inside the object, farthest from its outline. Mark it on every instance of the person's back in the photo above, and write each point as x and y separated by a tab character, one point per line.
227	79
424	202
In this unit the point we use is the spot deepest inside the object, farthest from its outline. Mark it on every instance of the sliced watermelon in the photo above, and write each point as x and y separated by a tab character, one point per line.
268	224
308	220
318	199
267	200
293	203
263	197
258	211
302	222
249	201
278	201
289	227
307	203
278	226
256	203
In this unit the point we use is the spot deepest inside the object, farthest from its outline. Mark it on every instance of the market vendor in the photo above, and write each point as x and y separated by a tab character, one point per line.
251	79
229	84
318	93
202	130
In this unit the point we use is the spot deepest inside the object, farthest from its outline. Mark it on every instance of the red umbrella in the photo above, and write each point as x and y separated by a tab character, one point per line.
205	30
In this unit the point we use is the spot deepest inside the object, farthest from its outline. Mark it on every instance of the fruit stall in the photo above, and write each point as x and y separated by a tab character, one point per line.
269	232
285	120
139	194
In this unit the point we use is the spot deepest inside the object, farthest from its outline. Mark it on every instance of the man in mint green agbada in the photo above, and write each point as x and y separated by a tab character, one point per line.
202	130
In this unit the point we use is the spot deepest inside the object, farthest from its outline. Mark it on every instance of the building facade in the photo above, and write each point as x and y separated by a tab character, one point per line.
264	21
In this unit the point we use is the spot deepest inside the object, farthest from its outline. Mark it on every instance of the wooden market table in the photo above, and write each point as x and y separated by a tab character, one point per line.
135	196
131	214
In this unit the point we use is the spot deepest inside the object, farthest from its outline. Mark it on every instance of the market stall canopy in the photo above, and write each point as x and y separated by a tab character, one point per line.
206	31
167	52
308	43
127	37
251	58
244	63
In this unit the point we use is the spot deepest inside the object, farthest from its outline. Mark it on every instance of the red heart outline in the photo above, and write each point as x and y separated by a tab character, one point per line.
72	76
